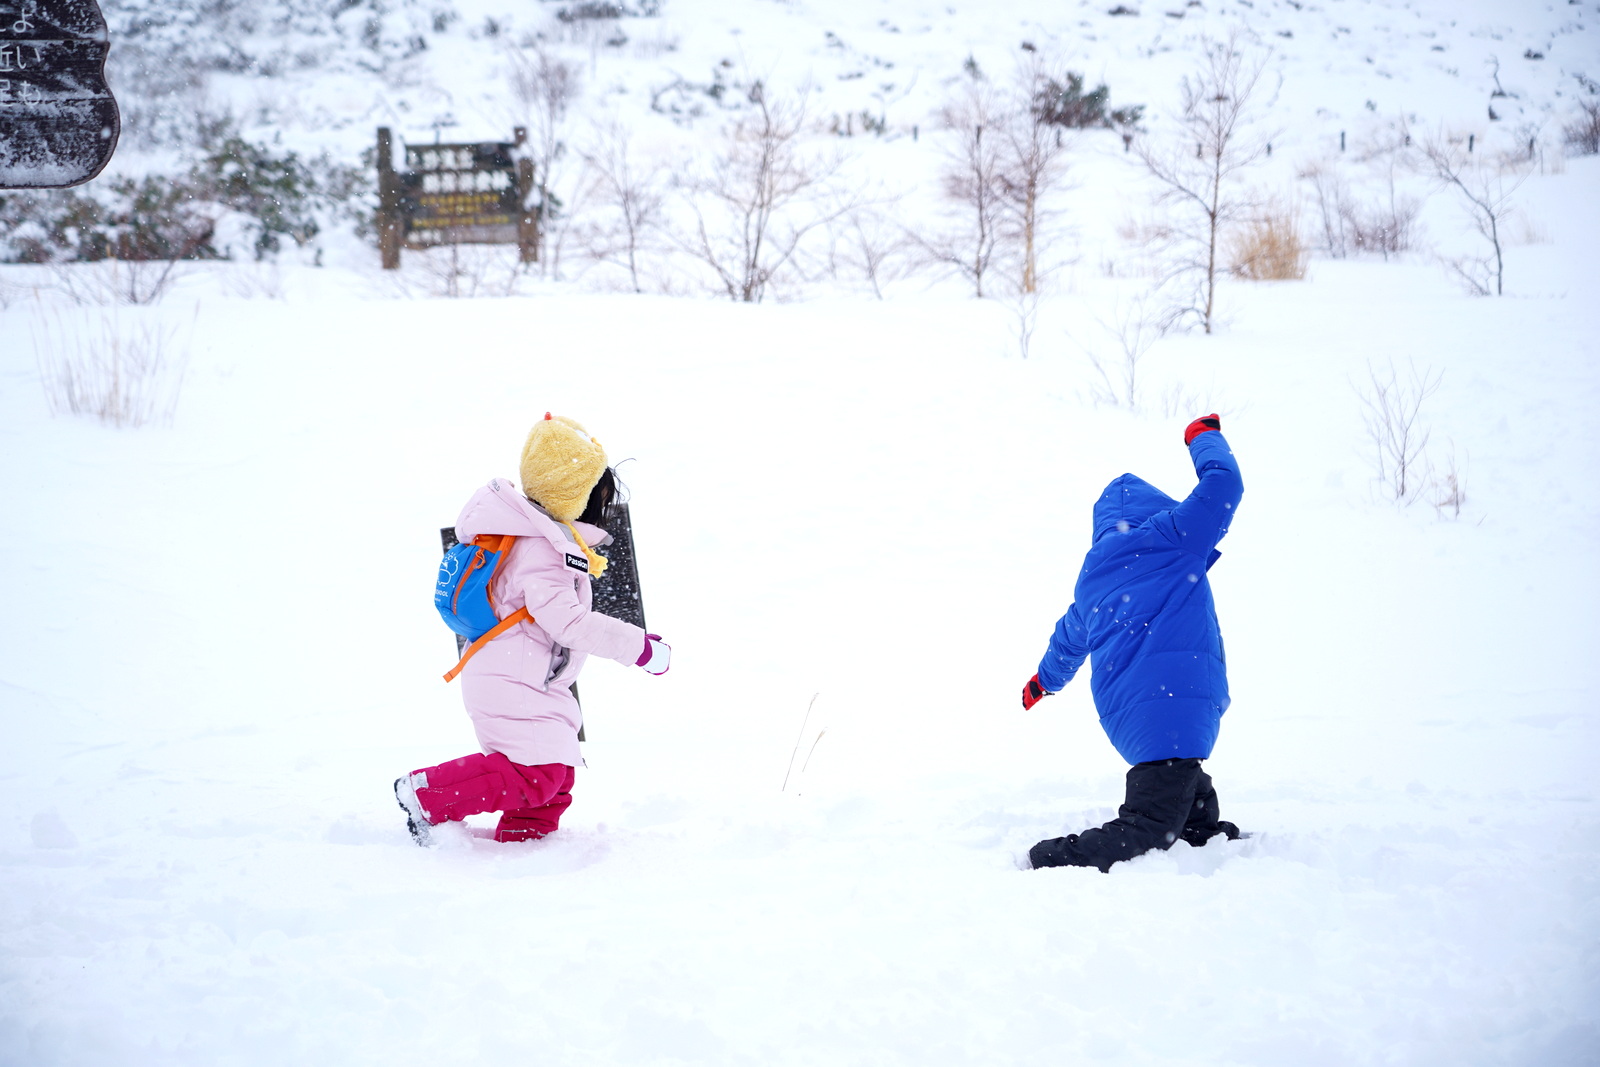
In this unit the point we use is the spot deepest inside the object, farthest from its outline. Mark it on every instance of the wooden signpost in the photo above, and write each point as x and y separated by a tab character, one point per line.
451	194
58	120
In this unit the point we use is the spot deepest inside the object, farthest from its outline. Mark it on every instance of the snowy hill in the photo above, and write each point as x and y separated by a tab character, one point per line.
857	521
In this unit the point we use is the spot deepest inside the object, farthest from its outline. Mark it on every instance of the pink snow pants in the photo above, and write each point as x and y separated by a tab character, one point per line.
531	799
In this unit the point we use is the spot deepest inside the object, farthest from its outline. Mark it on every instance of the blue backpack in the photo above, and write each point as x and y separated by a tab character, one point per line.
462	594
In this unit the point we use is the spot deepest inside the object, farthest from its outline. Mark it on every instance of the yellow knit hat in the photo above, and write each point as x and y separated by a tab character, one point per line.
560	465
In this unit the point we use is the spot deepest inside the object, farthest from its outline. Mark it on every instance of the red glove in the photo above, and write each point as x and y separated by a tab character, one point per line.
1200	426
1033	692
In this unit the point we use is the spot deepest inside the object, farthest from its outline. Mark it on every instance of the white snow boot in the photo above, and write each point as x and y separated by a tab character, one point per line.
405	793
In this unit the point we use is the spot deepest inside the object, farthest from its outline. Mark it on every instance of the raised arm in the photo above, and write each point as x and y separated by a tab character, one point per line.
1203	517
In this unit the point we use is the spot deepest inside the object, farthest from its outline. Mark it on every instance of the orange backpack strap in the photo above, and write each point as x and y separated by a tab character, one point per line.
520	615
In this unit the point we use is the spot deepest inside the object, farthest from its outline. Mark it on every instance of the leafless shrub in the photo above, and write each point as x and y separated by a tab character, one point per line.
1024	308
1178	399
251	280
1131	330
117	281
1448	490
1149	238
1385	228
1582	135
869	244
1386	225
631	197
1268	246
466	271
13	291
1331	195
122	373
764	197
1201	170
1522	229
1391	406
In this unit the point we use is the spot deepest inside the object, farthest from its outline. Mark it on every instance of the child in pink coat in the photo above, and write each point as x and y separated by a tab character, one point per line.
518	686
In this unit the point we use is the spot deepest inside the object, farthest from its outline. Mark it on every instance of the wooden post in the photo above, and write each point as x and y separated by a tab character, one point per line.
388	204
528	221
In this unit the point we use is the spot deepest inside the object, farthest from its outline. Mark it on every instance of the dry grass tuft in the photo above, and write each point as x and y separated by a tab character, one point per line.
1269	248
124	374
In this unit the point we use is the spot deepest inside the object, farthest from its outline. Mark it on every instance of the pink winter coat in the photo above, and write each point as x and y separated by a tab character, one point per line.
518	687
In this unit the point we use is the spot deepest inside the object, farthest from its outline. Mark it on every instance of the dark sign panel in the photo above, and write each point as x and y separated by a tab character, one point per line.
460	194
616	593
452	194
58	120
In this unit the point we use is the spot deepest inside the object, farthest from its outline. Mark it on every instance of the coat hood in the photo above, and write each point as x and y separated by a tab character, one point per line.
500	508
1128	499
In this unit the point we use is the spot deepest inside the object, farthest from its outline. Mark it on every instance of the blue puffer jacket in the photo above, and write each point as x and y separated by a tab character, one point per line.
1142	607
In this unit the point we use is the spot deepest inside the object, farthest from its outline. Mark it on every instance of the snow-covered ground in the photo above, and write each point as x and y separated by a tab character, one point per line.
857	521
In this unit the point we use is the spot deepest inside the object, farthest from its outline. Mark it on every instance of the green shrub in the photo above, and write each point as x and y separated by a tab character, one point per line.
1068	105
168	217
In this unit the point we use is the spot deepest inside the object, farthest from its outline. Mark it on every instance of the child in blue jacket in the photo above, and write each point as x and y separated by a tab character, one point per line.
1142	608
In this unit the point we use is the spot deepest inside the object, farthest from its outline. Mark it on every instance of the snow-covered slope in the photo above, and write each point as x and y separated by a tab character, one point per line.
288	66
857	521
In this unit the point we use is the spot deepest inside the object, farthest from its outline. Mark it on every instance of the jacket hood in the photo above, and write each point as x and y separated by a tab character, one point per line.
1128	499
500	508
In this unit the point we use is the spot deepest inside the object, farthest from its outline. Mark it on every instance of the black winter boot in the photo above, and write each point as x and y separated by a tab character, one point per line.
1159	808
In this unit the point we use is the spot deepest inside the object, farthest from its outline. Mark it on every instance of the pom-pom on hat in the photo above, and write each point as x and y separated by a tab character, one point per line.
560	465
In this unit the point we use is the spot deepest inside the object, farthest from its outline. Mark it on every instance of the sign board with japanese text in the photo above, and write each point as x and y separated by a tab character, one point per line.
460	194
58	120
449	194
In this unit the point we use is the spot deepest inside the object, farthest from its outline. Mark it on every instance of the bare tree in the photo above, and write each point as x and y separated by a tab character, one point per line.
1487	193
972	183
1031	167
763	198
1392	412
633	192
1214	118
544	86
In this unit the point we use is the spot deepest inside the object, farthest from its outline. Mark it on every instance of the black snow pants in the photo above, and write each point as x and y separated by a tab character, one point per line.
1167	799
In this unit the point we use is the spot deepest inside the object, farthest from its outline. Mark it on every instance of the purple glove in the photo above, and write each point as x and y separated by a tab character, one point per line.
657	655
